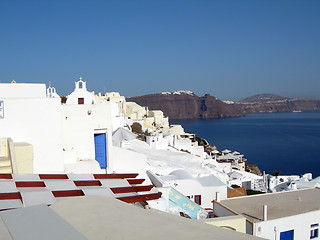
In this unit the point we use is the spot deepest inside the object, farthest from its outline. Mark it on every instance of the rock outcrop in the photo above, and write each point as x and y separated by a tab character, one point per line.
275	103
187	105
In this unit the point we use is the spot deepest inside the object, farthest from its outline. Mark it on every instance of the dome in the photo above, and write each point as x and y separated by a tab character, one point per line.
181	174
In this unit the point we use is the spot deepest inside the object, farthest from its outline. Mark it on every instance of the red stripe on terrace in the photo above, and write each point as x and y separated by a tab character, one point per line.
131	189
10	196
140	198
115	175
30	184
80	183
68	193
53	176
5	176
135	181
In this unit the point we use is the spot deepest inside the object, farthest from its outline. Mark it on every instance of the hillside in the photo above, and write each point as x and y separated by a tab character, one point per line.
187	105
265	97
275	103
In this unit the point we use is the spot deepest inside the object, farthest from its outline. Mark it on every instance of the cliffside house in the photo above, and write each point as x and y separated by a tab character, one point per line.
201	190
277	216
39	135
30	129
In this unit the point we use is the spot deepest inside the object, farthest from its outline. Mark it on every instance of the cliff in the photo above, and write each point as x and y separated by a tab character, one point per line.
187	105
275	103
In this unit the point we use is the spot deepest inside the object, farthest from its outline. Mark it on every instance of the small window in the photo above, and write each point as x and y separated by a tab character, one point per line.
287	235
314	232
80	100
210	215
197	199
80	84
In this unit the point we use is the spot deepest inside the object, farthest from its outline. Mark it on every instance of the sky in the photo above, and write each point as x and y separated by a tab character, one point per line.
229	49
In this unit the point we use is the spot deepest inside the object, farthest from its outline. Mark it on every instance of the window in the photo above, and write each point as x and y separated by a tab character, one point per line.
197	199
210	215
314	232
287	235
80	84
80	100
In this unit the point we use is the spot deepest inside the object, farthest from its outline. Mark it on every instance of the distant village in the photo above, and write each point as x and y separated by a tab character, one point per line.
97	146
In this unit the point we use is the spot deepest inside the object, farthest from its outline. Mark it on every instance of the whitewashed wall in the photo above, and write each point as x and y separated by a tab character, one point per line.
126	161
222	211
80	123
22	90
36	121
80	92
198	151
182	144
300	223
117	116
191	187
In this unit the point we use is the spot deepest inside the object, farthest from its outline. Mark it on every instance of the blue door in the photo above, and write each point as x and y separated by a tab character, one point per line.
288	235
100	149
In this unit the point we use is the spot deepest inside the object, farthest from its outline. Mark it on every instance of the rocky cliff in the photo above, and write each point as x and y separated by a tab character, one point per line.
187	105
275	103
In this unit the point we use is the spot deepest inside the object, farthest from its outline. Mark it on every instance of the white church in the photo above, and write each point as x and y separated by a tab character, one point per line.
38	134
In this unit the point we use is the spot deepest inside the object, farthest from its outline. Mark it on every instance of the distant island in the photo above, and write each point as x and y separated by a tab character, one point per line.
186	105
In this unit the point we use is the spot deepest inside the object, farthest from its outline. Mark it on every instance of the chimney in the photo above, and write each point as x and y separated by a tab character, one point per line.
218	196
265	212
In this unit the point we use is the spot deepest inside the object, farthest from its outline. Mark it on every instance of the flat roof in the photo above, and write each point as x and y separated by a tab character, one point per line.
108	218
283	204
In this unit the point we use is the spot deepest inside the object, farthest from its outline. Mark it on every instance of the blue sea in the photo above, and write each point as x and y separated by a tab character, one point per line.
288	142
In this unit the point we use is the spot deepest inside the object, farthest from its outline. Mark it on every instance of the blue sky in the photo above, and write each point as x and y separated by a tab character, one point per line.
229	49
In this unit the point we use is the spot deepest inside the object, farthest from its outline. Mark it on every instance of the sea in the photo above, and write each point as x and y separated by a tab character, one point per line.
287	142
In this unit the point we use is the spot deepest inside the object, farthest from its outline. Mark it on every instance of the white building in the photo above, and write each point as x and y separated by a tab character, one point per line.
201	190
28	117
39	135
87	133
52	93
159	120
135	111
280	183
80	95
277	216
118	104
236	159
87	136
157	141
247	180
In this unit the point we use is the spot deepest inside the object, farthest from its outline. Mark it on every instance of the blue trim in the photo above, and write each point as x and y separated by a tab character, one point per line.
287	235
100	149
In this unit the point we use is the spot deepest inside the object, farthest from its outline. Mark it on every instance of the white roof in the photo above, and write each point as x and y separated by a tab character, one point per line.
37	222
107	218
290	202
123	134
181	174
210	181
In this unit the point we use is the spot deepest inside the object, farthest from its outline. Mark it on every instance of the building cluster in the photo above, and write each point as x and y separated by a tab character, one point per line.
86	147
